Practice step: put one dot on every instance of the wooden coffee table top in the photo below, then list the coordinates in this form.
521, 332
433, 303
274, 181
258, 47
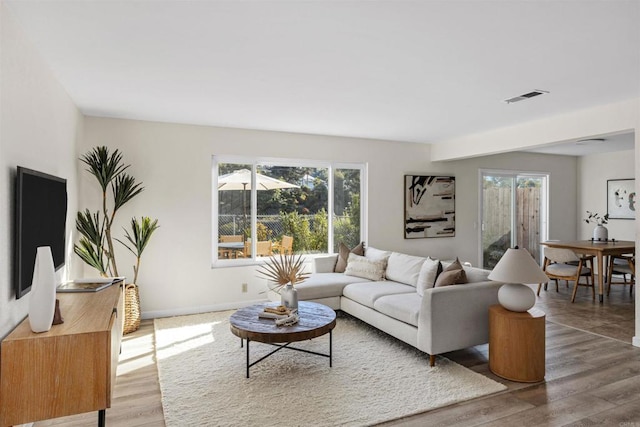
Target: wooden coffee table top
315, 320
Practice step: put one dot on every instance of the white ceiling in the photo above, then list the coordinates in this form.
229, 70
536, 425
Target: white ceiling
420, 71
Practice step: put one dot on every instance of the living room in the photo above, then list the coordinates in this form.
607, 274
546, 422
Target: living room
44, 128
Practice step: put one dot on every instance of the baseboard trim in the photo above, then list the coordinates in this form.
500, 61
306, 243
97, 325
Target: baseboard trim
636, 341
197, 310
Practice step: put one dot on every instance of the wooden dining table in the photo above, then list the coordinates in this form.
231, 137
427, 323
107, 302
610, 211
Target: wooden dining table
600, 249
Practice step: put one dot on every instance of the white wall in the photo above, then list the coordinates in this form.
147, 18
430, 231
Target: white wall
39, 128
593, 172
174, 162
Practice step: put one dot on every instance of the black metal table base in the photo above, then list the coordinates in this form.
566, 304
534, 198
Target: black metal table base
281, 346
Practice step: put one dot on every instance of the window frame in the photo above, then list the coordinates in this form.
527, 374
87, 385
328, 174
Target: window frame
254, 162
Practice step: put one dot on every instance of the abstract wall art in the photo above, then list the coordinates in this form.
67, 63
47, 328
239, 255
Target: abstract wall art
621, 198
429, 206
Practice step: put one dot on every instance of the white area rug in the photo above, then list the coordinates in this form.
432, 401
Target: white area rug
374, 377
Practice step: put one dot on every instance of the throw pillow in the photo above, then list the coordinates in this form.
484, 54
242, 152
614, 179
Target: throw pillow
452, 275
343, 256
360, 266
376, 254
428, 274
404, 268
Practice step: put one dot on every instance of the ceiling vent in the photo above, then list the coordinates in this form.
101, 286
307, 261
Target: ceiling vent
590, 141
529, 95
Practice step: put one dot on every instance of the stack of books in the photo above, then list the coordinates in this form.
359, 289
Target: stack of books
279, 312
88, 285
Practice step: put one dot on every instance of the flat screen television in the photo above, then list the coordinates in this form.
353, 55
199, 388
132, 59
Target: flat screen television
40, 219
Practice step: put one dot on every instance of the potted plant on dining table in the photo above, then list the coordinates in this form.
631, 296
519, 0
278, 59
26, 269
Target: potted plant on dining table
600, 232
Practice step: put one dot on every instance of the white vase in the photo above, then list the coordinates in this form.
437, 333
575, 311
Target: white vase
600, 233
42, 301
289, 296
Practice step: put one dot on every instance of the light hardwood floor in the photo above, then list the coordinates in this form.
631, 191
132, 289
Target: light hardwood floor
592, 374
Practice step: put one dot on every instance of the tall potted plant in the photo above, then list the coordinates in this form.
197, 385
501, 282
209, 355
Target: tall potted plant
95, 246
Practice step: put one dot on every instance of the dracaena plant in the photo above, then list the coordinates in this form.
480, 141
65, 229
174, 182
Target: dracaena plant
95, 246
141, 232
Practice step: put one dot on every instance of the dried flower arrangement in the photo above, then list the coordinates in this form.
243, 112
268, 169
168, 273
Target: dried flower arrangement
283, 269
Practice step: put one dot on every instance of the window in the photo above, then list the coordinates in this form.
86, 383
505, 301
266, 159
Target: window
262, 208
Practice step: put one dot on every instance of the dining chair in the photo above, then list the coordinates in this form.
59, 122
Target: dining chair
263, 248
621, 265
285, 246
559, 264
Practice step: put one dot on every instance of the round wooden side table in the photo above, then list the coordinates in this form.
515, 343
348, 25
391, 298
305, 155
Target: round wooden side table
517, 344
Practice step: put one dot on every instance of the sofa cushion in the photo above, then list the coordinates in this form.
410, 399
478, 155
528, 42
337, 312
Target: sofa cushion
343, 256
363, 267
476, 274
324, 263
367, 293
376, 254
429, 272
403, 307
452, 275
404, 268
324, 285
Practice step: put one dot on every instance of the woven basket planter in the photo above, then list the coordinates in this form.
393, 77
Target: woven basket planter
131, 308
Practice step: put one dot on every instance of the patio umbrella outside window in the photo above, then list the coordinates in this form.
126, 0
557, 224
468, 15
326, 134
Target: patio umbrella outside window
241, 180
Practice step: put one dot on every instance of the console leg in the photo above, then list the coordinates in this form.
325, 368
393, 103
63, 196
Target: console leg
101, 417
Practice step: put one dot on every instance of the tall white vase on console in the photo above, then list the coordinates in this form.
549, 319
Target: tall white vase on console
42, 300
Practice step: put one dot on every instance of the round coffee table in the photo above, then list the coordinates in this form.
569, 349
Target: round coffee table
315, 320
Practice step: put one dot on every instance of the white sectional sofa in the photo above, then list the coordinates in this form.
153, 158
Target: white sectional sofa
435, 320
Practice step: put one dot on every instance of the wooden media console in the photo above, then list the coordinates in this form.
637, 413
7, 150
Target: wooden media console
68, 370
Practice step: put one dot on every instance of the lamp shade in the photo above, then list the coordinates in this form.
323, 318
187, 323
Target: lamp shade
516, 267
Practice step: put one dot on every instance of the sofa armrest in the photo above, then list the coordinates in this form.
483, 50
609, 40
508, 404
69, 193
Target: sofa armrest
325, 264
456, 317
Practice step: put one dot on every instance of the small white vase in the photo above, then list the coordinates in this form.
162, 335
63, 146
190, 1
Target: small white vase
600, 233
42, 301
289, 296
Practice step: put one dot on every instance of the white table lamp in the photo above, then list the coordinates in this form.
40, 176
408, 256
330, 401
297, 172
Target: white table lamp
517, 267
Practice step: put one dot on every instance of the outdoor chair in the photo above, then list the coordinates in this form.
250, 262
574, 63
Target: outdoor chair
285, 246
263, 248
559, 264
621, 265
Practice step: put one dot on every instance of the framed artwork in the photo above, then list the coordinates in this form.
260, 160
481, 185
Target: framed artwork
621, 198
429, 206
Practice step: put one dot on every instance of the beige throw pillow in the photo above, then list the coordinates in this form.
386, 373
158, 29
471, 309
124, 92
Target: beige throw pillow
360, 266
343, 256
452, 275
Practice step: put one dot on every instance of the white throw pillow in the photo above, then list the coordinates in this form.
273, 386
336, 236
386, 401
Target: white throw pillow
376, 254
360, 266
428, 275
404, 268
